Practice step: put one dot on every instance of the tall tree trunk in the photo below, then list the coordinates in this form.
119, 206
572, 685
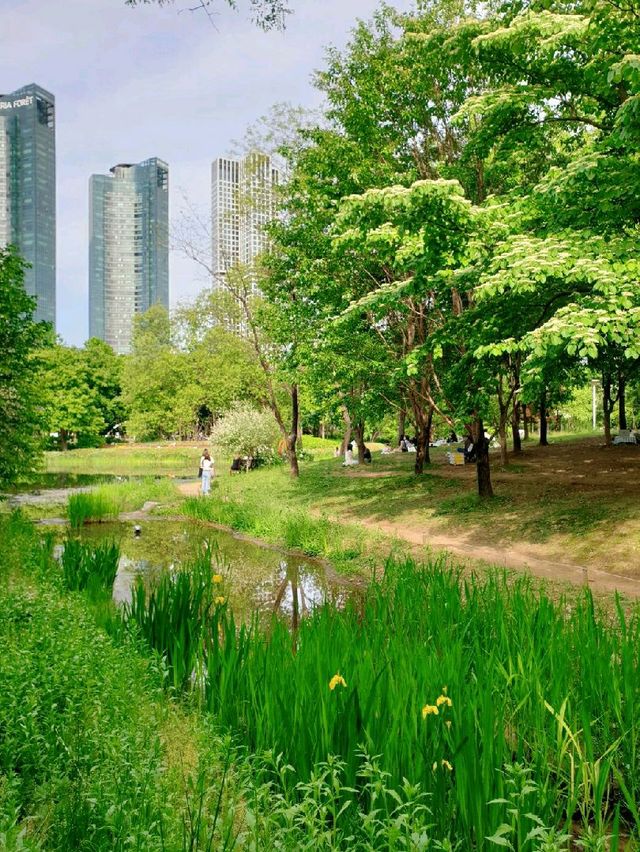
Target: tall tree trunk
607, 408
503, 414
64, 440
346, 437
322, 430
358, 429
292, 437
515, 427
622, 402
402, 417
502, 435
423, 429
525, 421
483, 467
543, 418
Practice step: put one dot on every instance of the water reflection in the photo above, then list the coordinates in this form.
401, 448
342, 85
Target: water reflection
253, 576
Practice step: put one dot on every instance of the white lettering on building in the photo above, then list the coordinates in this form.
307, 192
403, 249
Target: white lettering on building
19, 102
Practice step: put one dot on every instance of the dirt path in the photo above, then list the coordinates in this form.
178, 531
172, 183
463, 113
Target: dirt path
515, 558
189, 489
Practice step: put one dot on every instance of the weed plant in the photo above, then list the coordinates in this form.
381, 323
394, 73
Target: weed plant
85, 566
449, 681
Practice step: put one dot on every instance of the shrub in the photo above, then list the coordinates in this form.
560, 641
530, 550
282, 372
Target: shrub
247, 431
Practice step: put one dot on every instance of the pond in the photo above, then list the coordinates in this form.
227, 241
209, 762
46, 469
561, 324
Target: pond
50, 488
255, 577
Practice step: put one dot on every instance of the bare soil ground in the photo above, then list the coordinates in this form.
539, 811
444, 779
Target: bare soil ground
570, 511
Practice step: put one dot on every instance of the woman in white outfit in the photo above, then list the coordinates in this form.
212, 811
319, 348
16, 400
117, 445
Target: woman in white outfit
206, 465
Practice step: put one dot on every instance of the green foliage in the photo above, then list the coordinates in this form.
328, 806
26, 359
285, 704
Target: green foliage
172, 616
246, 431
81, 763
518, 677
85, 566
90, 506
20, 336
179, 380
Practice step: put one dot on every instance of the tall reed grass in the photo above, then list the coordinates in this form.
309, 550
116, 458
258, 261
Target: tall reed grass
90, 506
290, 528
451, 682
173, 616
85, 566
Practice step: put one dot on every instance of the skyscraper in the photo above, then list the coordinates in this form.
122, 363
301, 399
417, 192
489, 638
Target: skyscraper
242, 203
128, 248
28, 189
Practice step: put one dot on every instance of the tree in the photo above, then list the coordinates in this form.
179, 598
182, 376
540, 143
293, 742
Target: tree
72, 405
153, 378
246, 431
267, 14
104, 377
20, 338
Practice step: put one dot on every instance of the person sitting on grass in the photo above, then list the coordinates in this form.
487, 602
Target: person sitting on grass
367, 455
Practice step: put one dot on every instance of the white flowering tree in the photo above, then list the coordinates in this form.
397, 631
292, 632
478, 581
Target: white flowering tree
246, 431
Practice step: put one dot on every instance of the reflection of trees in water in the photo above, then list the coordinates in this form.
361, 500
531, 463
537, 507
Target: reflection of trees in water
300, 590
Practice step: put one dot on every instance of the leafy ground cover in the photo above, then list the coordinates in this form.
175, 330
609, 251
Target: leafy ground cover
92, 754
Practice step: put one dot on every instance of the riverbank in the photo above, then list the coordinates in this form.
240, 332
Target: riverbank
572, 504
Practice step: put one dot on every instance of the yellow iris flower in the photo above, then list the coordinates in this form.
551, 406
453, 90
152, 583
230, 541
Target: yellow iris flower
336, 680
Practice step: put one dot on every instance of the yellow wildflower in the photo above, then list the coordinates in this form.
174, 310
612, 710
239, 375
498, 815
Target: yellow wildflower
435, 766
447, 765
219, 600
217, 578
428, 709
336, 680
444, 699
448, 723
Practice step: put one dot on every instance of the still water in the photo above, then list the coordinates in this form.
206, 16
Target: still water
253, 576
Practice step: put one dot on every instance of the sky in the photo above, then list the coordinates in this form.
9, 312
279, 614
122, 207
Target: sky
133, 83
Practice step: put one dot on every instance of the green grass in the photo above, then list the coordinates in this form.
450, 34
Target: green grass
531, 684
89, 744
84, 566
90, 506
346, 547
126, 460
172, 616
108, 501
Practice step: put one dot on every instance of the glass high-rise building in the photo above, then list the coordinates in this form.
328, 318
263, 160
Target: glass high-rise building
128, 248
242, 203
28, 189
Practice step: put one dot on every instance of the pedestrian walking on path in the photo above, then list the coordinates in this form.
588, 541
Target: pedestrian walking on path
206, 466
